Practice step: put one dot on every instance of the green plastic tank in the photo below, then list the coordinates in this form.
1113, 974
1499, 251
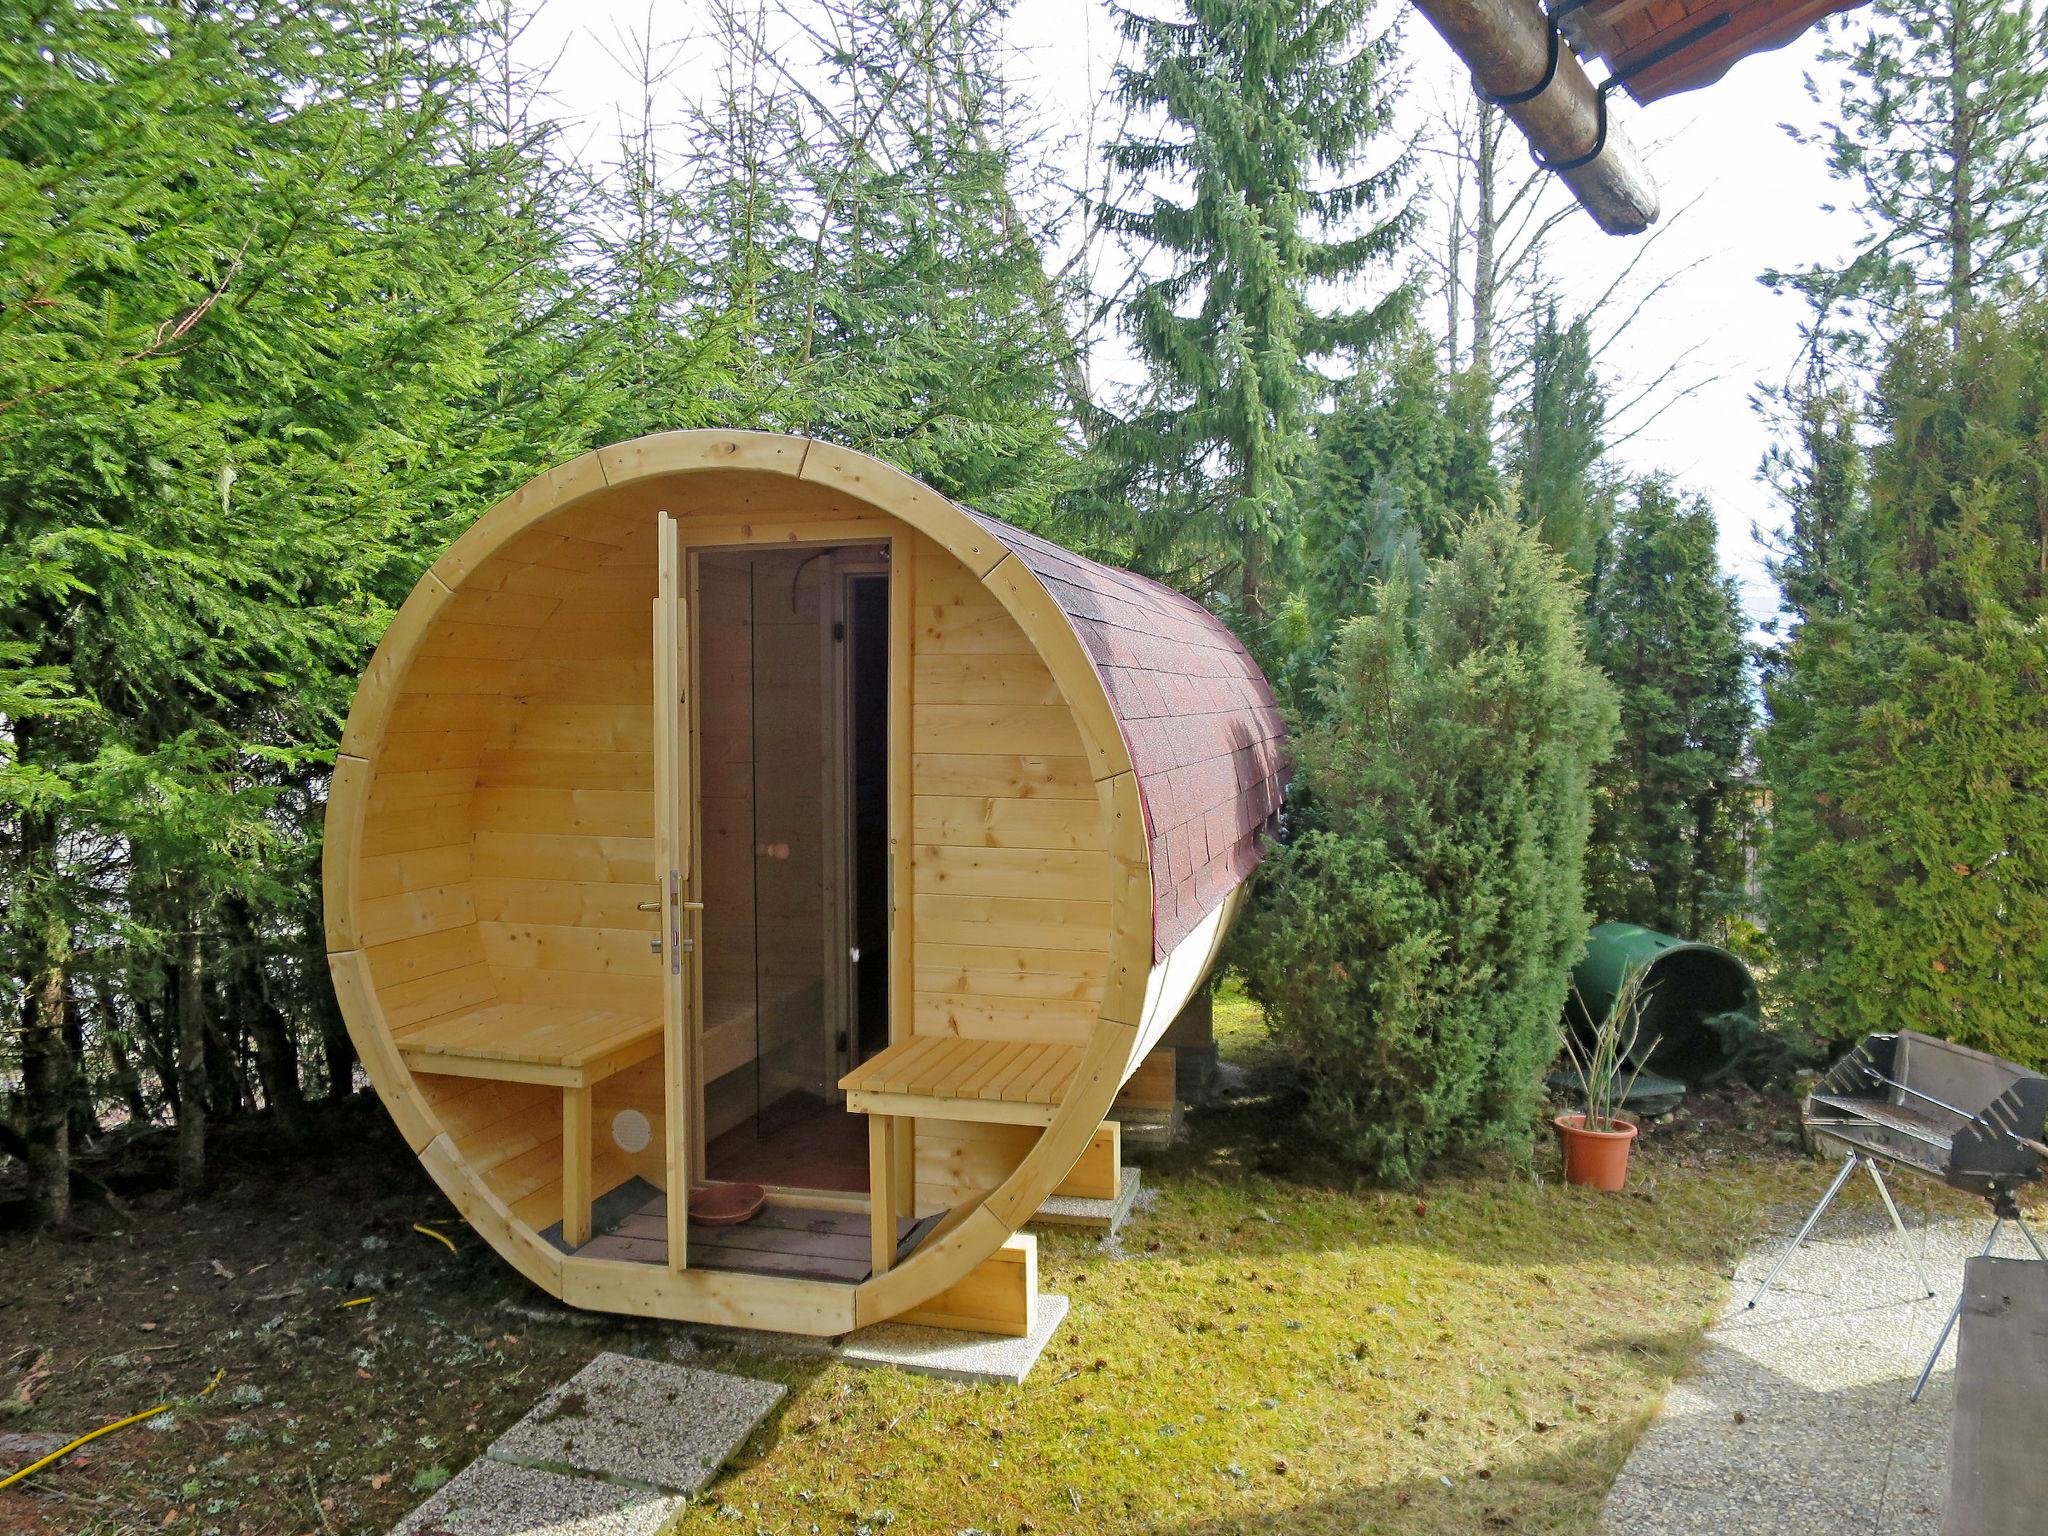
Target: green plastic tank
1702, 1006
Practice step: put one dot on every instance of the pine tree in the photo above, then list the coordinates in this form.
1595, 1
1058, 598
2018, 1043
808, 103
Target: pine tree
1411, 943
1263, 103
1941, 134
1671, 805
1906, 870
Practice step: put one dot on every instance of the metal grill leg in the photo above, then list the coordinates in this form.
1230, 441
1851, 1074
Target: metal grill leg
1877, 1178
1819, 1211
1955, 1312
2032, 1241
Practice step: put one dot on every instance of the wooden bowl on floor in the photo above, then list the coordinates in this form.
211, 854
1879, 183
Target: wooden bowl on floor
726, 1205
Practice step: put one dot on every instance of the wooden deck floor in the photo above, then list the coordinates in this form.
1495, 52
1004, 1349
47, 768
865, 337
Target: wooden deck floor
781, 1240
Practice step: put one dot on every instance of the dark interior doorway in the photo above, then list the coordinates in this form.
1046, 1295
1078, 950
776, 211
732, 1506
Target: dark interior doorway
793, 719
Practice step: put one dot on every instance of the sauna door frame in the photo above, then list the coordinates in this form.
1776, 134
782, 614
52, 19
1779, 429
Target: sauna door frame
687, 1152
843, 1042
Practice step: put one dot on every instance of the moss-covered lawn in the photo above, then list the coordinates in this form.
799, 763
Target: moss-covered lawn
1272, 1351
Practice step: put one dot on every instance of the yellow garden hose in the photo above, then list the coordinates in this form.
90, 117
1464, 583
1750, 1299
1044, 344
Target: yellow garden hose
105, 1429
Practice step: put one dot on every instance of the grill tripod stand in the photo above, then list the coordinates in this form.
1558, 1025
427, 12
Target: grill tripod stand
2005, 1207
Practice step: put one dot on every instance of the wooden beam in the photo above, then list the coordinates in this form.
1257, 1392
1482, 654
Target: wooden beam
1000, 1295
1506, 45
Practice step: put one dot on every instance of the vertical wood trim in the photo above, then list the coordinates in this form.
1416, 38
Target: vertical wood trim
881, 1191
576, 1130
835, 765
902, 629
671, 805
693, 883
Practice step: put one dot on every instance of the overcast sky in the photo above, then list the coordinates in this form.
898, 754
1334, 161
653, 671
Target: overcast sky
1756, 201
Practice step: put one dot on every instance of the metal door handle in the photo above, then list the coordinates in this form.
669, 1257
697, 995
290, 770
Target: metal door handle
649, 906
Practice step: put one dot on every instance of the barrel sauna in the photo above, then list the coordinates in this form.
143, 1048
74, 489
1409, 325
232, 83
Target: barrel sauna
727, 810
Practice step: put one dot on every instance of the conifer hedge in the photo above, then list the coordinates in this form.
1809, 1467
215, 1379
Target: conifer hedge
1906, 872
1412, 940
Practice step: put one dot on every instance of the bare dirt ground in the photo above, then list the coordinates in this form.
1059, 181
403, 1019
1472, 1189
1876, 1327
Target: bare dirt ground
329, 1417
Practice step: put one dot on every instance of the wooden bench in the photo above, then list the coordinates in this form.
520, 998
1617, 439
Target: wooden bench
563, 1048
942, 1077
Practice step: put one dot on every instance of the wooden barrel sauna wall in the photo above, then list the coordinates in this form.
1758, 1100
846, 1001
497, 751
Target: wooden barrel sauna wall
528, 805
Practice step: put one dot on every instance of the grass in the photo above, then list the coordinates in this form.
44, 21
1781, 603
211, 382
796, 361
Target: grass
1267, 1348
1266, 1351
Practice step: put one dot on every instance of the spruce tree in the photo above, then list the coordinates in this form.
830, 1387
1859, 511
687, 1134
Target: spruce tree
1260, 189
276, 343
1671, 805
1906, 870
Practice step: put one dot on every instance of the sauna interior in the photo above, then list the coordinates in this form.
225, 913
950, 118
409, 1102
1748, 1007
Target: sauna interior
730, 810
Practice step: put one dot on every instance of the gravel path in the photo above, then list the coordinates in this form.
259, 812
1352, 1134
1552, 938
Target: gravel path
1796, 1417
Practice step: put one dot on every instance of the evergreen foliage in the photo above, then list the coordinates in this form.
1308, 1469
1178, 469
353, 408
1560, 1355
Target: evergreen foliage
1822, 559
1401, 460
1411, 943
1558, 436
1939, 132
1671, 806
1262, 190
1906, 871
269, 347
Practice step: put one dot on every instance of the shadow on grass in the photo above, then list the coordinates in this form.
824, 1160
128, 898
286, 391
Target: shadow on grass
1547, 1491
1681, 1206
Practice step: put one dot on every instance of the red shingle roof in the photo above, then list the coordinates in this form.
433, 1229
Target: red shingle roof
1662, 47
1198, 719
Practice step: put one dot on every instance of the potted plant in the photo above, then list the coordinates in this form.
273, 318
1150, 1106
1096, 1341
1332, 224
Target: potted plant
1596, 1138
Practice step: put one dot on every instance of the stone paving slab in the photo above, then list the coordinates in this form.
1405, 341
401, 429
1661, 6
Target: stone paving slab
640, 1423
1097, 1215
492, 1498
953, 1355
1796, 1417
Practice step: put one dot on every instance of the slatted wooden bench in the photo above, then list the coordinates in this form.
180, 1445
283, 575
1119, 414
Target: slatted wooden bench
565, 1048
942, 1077
1014, 1082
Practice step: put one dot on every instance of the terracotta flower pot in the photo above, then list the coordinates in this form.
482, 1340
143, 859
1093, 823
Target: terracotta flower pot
1596, 1159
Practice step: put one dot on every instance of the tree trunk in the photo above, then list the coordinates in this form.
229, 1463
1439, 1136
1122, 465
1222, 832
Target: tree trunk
43, 940
1962, 255
1486, 233
192, 1084
46, 1088
127, 1076
277, 1052
156, 1030
85, 1120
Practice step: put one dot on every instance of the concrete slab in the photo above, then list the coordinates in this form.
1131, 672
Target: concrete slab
491, 1498
640, 1423
1096, 1215
1796, 1416
952, 1355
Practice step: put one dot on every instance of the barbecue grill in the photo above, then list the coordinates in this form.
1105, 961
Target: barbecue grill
1942, 1111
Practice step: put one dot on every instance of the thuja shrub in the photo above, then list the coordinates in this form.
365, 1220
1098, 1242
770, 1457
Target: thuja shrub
1411, 942
1906, 871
